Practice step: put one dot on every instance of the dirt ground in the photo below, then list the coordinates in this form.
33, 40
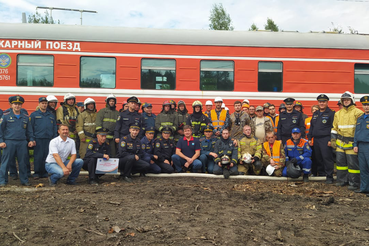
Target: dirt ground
183, 211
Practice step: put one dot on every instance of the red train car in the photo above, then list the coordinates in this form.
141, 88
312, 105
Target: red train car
158, 64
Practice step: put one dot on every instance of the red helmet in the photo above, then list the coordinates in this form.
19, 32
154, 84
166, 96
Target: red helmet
166, 102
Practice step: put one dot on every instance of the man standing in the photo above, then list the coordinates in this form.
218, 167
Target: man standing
86, 125
98, 148
148, 118
127, 118
57, 163
15, 129
298, 107
320, 130
298, 152
148, 146
209, 107
219, 117
274, 117
164, 149
107, 118
361, 146
131, 154
238, 120
197, 120
262, 124
207, 154
51, 105
252, 111
249, 145
44, 129
182, 114
273, 155
67, 114
343, 132
166, 118
226, 162
289, 120
187, 152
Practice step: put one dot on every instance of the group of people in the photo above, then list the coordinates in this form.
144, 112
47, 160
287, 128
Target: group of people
251, 140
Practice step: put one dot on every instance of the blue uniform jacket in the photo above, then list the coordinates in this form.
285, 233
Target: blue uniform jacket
125, 119
129, 146
148, 121
148, 147
299, 151
12, 128
207, 145
43, 124
362, 130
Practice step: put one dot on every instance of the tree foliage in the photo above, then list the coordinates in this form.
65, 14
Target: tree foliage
270, 25
253, 27
38, 18
219, 19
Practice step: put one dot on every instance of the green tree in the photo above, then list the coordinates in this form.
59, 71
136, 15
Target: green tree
253, 27
219, 19
270, 25
38, 18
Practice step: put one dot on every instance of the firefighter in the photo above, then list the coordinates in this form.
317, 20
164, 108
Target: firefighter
342, 140
167, 117
273, 155
209, 107
107, 118
67, 114
86, 125
225, 149
249, 145
197, 120
298, 107
182, 114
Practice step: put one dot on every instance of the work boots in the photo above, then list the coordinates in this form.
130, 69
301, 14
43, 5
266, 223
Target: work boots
306, 178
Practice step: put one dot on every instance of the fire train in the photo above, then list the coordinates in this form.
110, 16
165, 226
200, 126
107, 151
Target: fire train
159, 64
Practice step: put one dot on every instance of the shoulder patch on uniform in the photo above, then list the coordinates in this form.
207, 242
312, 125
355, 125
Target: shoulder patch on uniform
123, 144
143, 146
125, 137
90, 146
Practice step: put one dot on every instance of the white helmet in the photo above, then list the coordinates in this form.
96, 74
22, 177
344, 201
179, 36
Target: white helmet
246, 158
111, 96
51, 98
209, 103
88, 101
223, 105
349, 95
226, 108
218, 99
69, 96
225, 160
246, 101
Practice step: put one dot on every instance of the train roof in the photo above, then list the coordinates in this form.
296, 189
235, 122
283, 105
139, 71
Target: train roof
183, 37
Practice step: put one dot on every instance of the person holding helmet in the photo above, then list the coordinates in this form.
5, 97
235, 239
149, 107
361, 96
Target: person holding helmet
298, 107
209, 107
167, 117
273, 155
226, 160
249, 145
67, 114
182, 114
207, 154
342, 139
238, 120
298, 152
107, 118
219, 117
52, 101
197, 120
126, 118
86, 126
44, 129
289, 120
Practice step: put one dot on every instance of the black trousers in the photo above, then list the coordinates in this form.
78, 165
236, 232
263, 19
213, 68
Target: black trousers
165, 168
129, 164
323, 156
89, 164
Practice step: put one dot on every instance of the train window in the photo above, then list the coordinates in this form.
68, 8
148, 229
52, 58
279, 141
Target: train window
270, 76
97, 72
158, 74
217, 75
361, 78
35, 70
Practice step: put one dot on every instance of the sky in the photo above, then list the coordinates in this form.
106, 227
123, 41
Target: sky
289, 15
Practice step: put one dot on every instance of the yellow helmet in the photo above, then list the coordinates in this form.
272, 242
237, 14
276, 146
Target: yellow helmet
197, 103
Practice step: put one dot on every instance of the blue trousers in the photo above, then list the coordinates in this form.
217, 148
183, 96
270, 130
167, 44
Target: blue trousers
305, 165
14, 148
207, 162
41, 150
178, 163
57, 173
364, 166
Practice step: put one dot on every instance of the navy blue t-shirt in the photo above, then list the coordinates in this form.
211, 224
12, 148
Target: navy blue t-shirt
188, 148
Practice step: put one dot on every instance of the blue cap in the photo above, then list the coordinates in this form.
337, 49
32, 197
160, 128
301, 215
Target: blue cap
150, 129
296, 130
80, 104
146, 105
16, 99
42, 99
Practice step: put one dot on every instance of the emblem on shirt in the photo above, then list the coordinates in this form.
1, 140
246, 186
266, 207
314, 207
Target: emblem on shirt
324, 121
90, 146
143, 146
294, 121
367, 126
123, 144
157, 145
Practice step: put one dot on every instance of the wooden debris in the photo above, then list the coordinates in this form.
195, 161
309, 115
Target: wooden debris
15, 235
96, 232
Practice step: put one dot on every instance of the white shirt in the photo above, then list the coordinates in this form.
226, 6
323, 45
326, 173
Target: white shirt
61, 147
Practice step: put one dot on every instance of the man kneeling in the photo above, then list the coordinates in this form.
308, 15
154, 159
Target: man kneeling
249, 152
273, 155
57, 163
226, 150
96, 149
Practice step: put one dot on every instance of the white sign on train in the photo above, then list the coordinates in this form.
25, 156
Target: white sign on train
49, 45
